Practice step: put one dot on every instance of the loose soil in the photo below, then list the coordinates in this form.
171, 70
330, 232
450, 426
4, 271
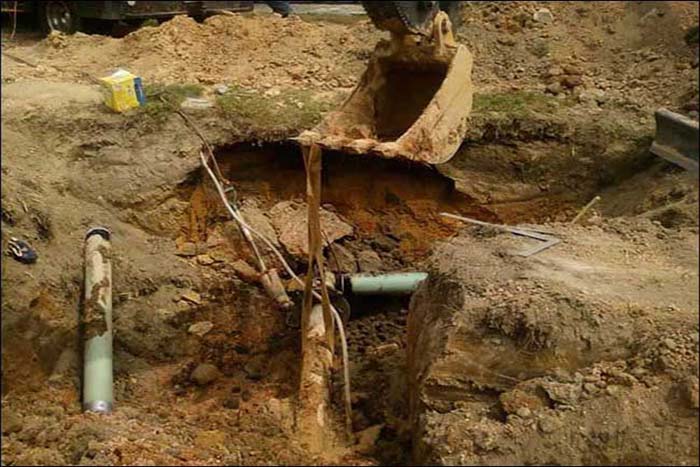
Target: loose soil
206, 366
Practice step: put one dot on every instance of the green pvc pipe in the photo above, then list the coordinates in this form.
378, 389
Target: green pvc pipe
404, 283
98, 395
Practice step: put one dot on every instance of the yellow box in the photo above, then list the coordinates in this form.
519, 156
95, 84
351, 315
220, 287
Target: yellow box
122, 91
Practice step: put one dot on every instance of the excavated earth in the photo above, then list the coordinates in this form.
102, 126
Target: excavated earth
585, 353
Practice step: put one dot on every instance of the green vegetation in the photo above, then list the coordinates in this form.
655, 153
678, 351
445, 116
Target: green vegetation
516, 102
294, 108
162, 100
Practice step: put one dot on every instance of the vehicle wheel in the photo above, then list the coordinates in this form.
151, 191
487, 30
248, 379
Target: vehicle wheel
56, 15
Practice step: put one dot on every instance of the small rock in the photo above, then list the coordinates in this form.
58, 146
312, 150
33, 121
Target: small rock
187, 249
590, 388
192, 297
384, 349
289, 219
571, 81
507, 40
205, 260
245, 272
670, 344
204, 374
369, 261
543, 15
554, 88
564, 394
11, 422
201, 328
549, 424
367, 438
523, 412
233, 402
221, 89
196, 103
341, 259
613, 389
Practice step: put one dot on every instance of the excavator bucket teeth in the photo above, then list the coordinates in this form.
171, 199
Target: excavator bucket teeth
676, 139
412, 102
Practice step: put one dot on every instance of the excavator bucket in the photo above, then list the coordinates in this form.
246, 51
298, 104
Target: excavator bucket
412, 102
676, 139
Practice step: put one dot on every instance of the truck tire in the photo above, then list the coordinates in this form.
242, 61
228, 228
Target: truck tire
58, 15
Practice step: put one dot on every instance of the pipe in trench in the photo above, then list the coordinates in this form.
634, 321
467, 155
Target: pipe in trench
98, 393
404, 283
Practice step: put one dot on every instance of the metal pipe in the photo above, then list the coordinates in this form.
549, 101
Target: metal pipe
404, 283
97, 317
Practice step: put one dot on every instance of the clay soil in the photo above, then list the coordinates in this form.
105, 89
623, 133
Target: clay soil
584, 353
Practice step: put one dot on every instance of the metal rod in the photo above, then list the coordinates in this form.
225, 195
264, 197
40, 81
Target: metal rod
584, 210
98, 393
385, 284
523, 233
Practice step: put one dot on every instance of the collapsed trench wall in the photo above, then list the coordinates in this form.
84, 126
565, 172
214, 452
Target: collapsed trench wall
511, 365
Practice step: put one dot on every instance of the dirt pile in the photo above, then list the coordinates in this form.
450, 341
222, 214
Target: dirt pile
603, 54
560, 357
250, 51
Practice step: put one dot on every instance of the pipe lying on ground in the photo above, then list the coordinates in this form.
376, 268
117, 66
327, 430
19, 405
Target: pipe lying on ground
97, 318
404, 283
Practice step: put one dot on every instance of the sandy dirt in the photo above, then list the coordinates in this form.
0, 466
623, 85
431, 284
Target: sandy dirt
206, 367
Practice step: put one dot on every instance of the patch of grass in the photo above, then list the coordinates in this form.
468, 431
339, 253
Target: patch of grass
516, 102
174, 94
294, 109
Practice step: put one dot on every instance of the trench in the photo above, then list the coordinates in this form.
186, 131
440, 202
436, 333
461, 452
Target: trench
393, 207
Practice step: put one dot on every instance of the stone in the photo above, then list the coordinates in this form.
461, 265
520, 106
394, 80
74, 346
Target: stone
245, 272
516, 399
507, 40
367, 438
543, 15
205, 260
523, 412
204, 374
571, 81
564, 394
289, 220
384, 349
187, 249
11, 422
192, 297
670, 344
196, 103
549, 424
257, 219
201, 328
221, 89
590, 388
369, 261
233, 401
554, 88
596, 96
346, 262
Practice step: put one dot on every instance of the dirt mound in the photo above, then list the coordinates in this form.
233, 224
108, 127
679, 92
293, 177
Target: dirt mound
542, 358
627, 53
251, 51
